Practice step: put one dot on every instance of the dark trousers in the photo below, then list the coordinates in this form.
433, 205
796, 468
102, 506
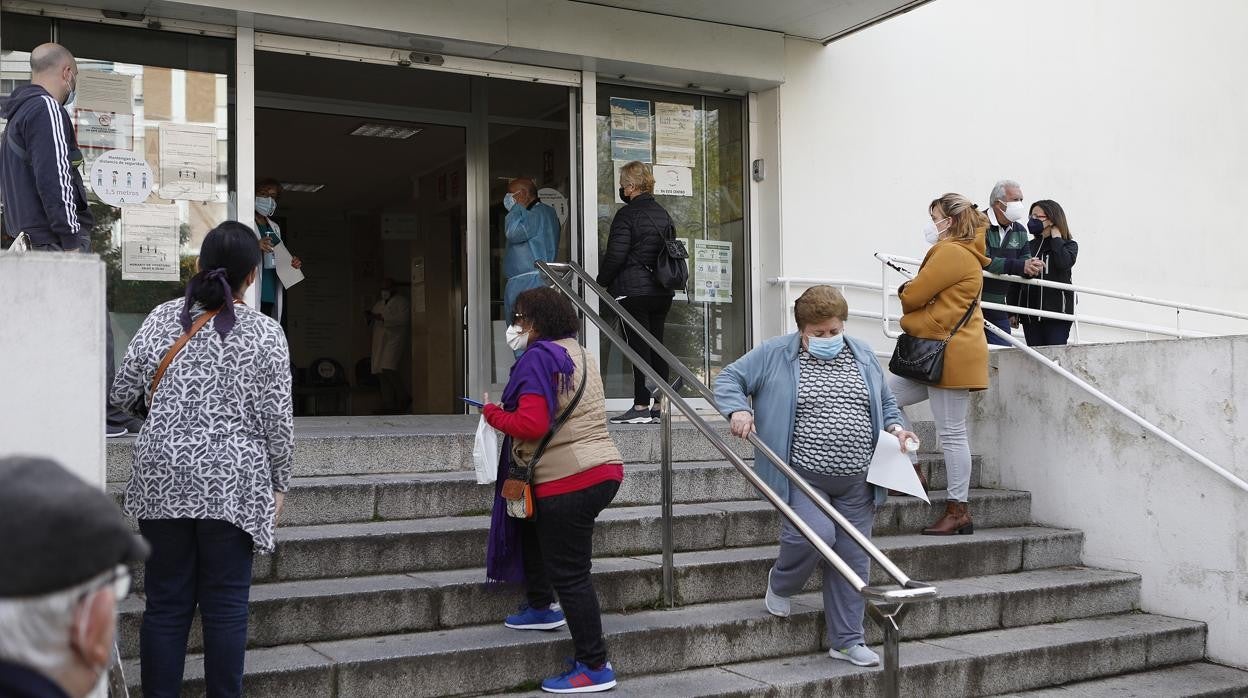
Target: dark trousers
194, 562
394, 396
651, 313
558, 546
1047, 333
1001, 319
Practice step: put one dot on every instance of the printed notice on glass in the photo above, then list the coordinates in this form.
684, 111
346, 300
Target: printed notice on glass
675, 132
712, 271
188, 162
149, 242
631, 137
102, 131
105, 92
672, 180
120, 177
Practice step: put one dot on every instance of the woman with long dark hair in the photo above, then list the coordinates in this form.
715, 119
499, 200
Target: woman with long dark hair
212, 462
1052, 244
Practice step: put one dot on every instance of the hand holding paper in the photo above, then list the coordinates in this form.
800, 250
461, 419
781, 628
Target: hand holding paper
891, 468
287, 273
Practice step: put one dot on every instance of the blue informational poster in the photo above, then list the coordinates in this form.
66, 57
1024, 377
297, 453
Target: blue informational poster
631, 135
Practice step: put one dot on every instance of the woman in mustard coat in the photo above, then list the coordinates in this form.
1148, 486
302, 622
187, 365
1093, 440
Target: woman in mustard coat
948, 284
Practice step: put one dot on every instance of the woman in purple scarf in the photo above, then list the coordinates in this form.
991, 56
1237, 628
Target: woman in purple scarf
574, 479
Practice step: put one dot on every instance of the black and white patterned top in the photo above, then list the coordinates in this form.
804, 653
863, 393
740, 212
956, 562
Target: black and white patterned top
832, 432
219, 438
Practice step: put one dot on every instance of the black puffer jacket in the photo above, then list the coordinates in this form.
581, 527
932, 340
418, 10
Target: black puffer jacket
633, 249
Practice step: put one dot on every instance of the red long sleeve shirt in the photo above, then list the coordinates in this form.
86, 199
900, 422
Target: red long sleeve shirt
530, 422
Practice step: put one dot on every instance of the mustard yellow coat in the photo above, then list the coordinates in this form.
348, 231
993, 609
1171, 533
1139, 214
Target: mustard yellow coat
933, 302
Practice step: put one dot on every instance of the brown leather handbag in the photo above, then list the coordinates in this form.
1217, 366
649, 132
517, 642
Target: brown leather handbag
517, 489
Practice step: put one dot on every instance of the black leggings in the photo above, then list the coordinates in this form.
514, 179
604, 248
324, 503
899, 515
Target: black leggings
651, 313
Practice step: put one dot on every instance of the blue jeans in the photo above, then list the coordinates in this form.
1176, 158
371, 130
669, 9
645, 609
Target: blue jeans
194, 562
1001, 319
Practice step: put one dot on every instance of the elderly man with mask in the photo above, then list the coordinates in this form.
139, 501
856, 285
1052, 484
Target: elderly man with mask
1005, 244
66, 550
532, 229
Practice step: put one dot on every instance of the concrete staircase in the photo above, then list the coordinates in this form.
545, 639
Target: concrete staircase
376, 588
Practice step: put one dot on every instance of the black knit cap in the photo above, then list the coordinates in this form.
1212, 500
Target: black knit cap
56, 531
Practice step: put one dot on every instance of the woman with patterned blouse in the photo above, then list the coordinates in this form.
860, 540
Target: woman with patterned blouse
211, 463
819, 400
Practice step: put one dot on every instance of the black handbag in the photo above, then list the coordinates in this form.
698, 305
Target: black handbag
671, 267
923, 360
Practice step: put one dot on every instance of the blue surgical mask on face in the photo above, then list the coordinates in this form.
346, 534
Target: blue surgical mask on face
266, 205
825, 348
509, 201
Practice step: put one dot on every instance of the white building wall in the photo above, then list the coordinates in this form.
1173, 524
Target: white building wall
1142, 504
52, 360
1129, 113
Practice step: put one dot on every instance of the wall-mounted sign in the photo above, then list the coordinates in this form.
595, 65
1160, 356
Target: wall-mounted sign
121, 177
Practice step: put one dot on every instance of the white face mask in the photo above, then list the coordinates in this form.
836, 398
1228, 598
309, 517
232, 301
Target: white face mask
385, 295
517, 338
1015, 211
930, 233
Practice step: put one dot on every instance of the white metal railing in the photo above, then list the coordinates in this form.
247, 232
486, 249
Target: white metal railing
898, 263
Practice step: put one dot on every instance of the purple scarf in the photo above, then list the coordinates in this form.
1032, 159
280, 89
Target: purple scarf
224, 321
543, 369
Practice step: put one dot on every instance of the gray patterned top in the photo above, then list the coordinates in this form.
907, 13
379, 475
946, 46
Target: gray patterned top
832, 432
219, 438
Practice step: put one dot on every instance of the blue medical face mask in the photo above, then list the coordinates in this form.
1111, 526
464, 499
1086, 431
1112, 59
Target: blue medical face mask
266, 205
825, 348
509, 201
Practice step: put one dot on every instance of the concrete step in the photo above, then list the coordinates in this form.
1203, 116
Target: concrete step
324, 609
977, 664
358, 498
420, 444
399, 547
758, 649
1183, 681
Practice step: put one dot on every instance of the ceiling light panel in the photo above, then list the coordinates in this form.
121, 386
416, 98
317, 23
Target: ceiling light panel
385, 131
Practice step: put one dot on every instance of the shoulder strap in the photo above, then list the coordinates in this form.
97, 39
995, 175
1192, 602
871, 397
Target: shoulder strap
177, 347
662, 231
965, 318
563, 418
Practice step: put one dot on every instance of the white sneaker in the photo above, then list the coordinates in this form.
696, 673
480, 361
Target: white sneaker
776, 604
858, 655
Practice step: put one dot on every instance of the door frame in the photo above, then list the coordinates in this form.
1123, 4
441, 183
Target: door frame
476, 122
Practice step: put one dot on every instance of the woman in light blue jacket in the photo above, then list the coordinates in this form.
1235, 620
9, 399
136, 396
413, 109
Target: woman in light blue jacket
819, 400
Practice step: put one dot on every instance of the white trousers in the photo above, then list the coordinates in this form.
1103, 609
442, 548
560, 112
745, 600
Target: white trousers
950, 407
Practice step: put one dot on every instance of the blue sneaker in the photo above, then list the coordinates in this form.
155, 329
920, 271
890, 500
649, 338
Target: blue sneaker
530, 618
581, 679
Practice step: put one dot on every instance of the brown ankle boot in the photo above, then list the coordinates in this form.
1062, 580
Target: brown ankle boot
918, 470
957, 519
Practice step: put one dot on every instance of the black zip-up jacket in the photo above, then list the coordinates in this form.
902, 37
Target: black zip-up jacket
633, 249
39, 179
1059, 257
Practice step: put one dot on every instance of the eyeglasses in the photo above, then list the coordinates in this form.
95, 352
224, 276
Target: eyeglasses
518, 316
119, 580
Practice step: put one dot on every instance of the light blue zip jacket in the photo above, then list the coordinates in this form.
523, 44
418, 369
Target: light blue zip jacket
764, 383
532, 235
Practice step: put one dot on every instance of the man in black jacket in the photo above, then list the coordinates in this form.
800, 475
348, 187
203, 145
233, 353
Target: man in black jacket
627, 271
39, 178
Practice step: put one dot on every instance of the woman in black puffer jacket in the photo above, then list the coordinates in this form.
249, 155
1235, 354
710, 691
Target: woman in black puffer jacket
1052, 244
627, 271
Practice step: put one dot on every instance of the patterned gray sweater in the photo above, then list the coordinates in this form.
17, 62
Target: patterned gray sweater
219, 437
832, 431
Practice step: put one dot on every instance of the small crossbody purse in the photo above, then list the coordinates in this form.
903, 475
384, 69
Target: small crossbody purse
517, 489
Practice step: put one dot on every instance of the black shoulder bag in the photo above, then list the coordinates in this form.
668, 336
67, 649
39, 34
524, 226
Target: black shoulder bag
518, 488
923, 360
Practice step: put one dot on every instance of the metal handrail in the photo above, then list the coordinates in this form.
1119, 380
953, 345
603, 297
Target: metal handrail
887, 605
1089, 388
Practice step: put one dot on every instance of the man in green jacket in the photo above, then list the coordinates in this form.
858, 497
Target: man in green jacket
1006, 245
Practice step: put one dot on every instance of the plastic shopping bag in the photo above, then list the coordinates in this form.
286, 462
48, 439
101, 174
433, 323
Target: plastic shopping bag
485, 453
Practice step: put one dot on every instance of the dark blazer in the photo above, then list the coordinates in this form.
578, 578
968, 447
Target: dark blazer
633, 249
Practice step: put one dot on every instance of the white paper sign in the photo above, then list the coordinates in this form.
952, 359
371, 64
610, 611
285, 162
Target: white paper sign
188, 162
712, 271
149, 242
892, 469
121, 177
105, 92
556, 200
288, 275
675, 134
670, 180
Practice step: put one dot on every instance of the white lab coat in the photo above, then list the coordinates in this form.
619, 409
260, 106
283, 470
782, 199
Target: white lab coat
390, 333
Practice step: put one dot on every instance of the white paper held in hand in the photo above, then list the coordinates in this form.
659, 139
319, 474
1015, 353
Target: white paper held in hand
288, 275
892, 469
485, 452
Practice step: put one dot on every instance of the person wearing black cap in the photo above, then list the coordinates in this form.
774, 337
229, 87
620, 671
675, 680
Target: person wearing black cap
65, 573
212, 465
